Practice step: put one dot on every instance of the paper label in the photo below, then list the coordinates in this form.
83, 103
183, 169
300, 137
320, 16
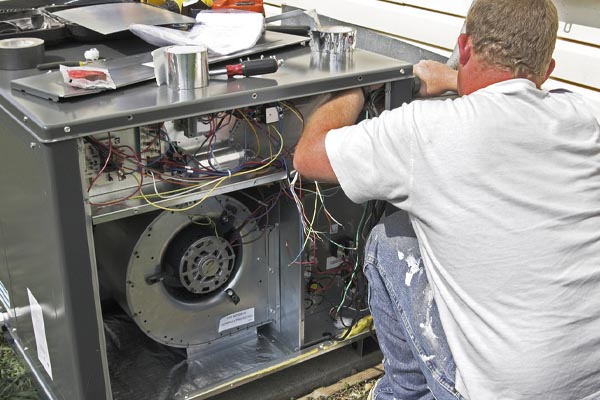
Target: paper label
4, 297
237, 319
37, 318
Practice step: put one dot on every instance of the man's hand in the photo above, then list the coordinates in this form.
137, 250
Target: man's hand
436, 78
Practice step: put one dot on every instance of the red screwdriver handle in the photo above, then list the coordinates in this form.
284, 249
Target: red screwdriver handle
253, 67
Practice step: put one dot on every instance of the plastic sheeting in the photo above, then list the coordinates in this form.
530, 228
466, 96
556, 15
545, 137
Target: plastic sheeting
221, 32
142, 369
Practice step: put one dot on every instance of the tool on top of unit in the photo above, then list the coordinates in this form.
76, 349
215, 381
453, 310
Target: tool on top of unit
249, 68
245, 5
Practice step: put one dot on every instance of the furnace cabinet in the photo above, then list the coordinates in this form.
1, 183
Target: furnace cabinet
152, 244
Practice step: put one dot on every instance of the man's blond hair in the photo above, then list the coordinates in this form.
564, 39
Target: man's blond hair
515, 35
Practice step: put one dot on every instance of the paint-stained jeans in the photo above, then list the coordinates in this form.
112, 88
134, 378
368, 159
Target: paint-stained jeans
417, 361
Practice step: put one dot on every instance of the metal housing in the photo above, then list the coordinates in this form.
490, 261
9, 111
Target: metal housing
74, 257
184, 304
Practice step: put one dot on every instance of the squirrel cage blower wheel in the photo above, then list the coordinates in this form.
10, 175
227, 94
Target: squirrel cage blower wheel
187, 278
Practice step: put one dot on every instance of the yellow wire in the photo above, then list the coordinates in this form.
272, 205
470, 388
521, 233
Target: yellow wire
210, 222
218, 183
323, 203
312, 221
293, 111
200, 185
273, 158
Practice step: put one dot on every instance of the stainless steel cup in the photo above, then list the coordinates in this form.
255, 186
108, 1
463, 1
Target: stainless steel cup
338, 40
187, 67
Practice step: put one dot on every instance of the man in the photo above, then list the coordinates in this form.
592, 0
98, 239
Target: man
502, 186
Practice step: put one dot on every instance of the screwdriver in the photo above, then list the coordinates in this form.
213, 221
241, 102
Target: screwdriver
249, 68
57, 64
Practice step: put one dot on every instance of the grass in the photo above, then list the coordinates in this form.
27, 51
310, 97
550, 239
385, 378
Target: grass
15, 381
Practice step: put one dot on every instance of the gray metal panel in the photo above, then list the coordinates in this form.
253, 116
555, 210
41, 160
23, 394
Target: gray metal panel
5, 291
146, 103
47, 252
290, 277
400, 93
116, 17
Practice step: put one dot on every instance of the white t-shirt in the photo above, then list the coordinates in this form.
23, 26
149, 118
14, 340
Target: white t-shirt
503, 189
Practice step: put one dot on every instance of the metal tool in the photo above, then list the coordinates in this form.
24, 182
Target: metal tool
314, 17
249, 68
245, 5
57, 64
299, 30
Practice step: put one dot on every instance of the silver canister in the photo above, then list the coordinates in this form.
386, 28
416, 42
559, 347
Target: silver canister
187, 67
338, 40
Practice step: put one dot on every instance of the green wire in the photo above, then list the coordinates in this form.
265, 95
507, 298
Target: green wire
356, 240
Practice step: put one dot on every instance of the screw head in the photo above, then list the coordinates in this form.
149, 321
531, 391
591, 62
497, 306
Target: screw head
67, 129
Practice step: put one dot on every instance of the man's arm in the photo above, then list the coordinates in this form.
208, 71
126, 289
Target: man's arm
310, 158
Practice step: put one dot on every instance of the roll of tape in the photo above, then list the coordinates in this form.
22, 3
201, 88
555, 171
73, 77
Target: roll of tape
187, 67
337, 40
21, 53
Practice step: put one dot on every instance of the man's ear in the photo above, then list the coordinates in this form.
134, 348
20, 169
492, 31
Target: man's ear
550, 69
464, 48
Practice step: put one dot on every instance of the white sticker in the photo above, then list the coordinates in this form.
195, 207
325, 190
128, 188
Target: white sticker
4, 297
333, 262
37, 318
234, 320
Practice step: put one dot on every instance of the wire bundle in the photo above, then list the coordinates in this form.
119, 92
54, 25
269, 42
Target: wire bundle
183, 170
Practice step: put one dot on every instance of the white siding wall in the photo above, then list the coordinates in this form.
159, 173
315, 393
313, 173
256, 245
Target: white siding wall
435, 25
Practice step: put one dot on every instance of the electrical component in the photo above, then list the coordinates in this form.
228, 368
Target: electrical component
271, 114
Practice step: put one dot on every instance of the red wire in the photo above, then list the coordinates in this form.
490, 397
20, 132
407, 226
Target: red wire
108, 157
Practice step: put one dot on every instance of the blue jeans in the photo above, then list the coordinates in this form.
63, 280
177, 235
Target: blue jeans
418, 363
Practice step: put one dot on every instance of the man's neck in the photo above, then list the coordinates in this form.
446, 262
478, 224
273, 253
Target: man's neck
475, 75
